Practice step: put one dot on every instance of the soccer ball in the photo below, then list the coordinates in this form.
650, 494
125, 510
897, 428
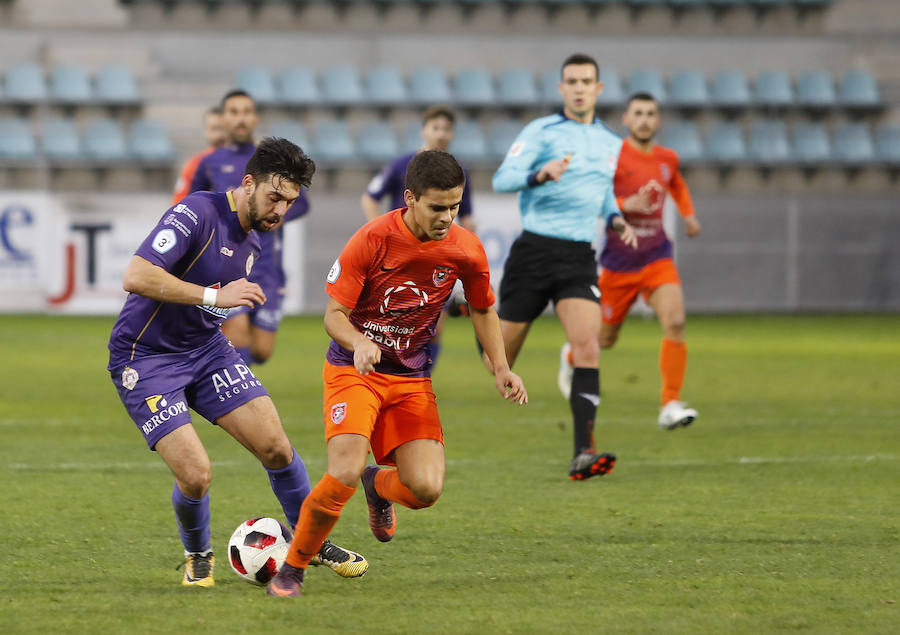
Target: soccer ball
257, 549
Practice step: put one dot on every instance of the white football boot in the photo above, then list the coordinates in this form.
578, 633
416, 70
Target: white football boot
566, 370
676, 414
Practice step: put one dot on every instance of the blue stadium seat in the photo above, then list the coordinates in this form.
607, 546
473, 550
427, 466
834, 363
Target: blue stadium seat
16, 140
25, 83
377, 141
858, 89
550, 87
853, 144
889, 144
61, 141
469, 143
116, 85
257, 81
333, 143
613, 93
299, 86
292, 131
517, 87
342, 86
815, 90
501, 135
104, 141
411, 137
730, 89
475, 87
429, 85
150, 143
687, 89
726, 143
769, 142
811, 144
647, 81
70, 85
385, 86
773, 90
684, 138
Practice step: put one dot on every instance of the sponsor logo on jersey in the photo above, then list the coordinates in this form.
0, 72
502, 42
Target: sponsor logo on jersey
404, 298
441, 275
164, 240
334, 273
233, 380
162, 415
666, 171
338, 413
227, 169
218, 311
129, 378
155, 402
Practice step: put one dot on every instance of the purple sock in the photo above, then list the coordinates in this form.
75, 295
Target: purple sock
434, 347
192, 515
291, 486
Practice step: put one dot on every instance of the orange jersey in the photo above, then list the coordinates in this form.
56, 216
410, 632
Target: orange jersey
635, 170
396, 286
183, 184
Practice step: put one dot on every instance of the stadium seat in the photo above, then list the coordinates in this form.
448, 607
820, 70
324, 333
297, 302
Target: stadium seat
61, 141
342, 86
469, 143
811, 144
815, 90
292, 131
103, 141
687, 89
429, 85
769, 142
888, 149
377, 141
16, 141
726, 143
25, 84
116, 85
647, 81
858, 89
150, 142
299, 86
333, 143
729, 89
773, 90
684, 138
853, 144
501, 135
475, 87
70, 85
517, 87
613, 93
385, 86
550, 87
258, 83
411, 136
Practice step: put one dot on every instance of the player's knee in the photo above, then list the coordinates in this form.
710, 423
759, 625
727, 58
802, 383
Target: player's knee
427, 490
585, 351
260, 354
673, 328
275, 452
608, 340
194, 481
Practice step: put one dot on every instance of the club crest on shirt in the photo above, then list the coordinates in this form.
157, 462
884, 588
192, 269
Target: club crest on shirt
249, 263
441, 275
338, 413
665, 171
516, 149
129, 378
226, 251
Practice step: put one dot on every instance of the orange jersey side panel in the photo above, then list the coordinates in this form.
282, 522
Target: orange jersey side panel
183, 184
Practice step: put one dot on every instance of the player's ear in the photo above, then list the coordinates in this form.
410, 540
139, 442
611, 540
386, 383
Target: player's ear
599, 87
409, 198
248, 183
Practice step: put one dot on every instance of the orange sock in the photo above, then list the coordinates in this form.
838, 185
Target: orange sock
388, 485
569, 358
319, 513
672, 364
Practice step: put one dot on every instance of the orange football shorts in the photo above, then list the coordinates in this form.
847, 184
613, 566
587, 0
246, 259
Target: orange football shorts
619, 289
389, 410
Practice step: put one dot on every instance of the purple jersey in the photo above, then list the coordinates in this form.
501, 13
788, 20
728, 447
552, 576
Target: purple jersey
199, 240
392, 181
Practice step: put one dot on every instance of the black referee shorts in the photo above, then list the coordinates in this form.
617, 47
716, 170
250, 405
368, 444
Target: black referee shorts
540, 269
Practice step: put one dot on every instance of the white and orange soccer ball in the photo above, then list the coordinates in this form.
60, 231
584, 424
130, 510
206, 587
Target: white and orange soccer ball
257, 549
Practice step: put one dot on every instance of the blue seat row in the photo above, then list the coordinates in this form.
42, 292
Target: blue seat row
69, 84
101, 140
636, 3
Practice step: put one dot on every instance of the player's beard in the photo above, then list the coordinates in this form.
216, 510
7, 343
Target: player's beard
256, 222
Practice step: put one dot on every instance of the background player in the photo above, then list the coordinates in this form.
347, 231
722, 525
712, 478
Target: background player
562, 167
252, 330
167, 353
645, 173
387, 288
214, 131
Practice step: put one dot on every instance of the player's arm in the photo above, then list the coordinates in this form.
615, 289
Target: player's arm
182, 187
487, 329
338, 325
152, 281
610, 212
201, 181
682, 197
521, 168
370, 207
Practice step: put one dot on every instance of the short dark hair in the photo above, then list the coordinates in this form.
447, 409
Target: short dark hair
640, 96
283, 158
237, 92
214, 110
580, 58
439, 111
433, 169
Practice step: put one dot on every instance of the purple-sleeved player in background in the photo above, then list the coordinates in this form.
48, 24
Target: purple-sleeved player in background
252, 330
168, 353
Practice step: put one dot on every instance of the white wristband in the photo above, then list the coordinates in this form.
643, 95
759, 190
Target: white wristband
209, 296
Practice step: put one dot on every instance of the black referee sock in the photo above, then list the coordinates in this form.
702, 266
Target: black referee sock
584, 399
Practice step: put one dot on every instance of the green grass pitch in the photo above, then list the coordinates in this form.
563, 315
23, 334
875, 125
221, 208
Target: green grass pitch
777, 511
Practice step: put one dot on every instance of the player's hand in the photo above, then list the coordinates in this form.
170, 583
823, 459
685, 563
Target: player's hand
511, 387
646, 200
553, 170
240, 292
692, 226
365, 355
625, 232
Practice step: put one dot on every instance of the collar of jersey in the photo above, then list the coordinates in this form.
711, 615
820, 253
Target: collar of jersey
407, 232
562, 113
231, 202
